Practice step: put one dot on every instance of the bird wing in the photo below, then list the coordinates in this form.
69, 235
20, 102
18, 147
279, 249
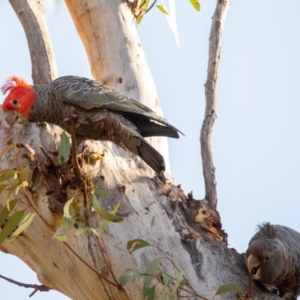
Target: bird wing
90, 94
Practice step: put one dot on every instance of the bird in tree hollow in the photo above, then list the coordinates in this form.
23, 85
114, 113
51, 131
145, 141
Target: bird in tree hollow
273, 258
100, 113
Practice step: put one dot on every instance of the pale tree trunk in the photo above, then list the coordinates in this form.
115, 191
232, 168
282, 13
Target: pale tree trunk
88, 267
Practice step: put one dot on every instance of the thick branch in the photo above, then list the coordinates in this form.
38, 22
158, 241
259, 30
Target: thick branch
211, 101
31, 15
108, 32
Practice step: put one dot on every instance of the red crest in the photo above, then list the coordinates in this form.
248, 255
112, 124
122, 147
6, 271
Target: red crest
12, 83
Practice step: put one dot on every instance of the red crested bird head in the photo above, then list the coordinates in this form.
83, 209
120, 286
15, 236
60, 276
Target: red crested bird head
18, 103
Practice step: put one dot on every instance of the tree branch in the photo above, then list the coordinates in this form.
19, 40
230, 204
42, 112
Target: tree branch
108, 32
211, 101
187, 230
36, 287
31, 16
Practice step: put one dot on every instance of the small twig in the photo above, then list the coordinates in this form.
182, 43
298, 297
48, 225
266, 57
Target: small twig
36, 287
47, 156
155, 245
73, 150
69, 247
150, 7
211, 101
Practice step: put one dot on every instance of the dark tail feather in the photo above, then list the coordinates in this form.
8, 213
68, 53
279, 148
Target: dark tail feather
151, 157
151, 128
139, 146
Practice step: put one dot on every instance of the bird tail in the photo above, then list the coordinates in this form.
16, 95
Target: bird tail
139, 146
151, 156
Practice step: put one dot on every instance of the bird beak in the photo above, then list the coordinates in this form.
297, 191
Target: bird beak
253, 267
13, 117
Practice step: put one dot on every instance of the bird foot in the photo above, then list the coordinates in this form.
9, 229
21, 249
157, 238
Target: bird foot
75, 120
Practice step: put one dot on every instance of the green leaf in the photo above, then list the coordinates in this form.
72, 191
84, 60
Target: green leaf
183, 282
69, 211
2, 187
64, 148
152, 268
179, 279
163, 296
142, 10
166, 279
152, 221
22, 184
196, 4
125, 278
149, 293
100, 193
80, 230
135, 244
113, 212
64, 228
102, 213
225, 288
175, 268
7, 209
154, 265
62, 238
11, 224
163, 8
144, 5
24, 173
7, 174
137, 273
139, 19
25, 223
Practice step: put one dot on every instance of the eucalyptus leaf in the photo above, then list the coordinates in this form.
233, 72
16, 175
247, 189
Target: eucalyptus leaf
11, 224
152, 221
136, 244
64, 228
64, 148
80, 230
225, 288
100, 193
25, 223
7, 209
2, 187
24, 173
154, 265
102, 213
196, 4
113, 212
7, 174
125, 278
162, 8
149, 293
69, 211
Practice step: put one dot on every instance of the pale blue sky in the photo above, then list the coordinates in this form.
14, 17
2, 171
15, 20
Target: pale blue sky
256, 135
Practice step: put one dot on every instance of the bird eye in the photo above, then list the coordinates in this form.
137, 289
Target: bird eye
15, 102
267, 257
